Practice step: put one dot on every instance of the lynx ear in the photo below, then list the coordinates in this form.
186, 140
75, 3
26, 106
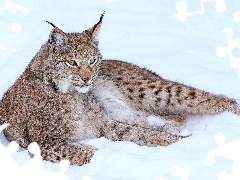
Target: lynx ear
93, 32
97, 26
57, 38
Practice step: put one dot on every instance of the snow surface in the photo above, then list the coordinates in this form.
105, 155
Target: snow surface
146, 33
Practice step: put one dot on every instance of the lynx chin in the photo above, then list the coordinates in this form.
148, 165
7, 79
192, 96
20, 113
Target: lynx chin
68, 94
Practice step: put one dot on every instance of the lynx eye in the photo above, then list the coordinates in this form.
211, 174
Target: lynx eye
92, 61
73, 63
70, 65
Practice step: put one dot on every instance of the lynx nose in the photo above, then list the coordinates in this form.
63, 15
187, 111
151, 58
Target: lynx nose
86, 79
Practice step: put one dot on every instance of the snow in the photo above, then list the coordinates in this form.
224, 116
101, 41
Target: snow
155, 121
149, 34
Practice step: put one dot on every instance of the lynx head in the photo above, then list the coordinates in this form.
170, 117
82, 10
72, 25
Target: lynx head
73, 59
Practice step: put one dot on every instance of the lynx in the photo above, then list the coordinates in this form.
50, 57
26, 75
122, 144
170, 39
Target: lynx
68, 94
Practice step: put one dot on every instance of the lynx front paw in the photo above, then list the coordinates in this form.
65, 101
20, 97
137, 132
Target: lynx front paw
171, 124
76, 153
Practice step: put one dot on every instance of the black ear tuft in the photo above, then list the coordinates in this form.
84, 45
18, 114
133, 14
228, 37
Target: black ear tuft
50, 23
101, 17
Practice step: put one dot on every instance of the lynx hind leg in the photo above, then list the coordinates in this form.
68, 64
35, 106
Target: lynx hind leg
152, 136
78, 154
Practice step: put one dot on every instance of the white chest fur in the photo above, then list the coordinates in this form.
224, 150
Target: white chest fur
113, 102
115, 108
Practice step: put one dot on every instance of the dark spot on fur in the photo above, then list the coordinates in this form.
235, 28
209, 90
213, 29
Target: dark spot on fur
141, 95
202, 102
169, 95
125, 83
168, 101
168, 89
156, 92
192, 94
130, 97
130, 90
120, 134
152, 86
63, 156
159, 99
101, 132
139, 83
178, 91
179, 101
119, 79
141, 90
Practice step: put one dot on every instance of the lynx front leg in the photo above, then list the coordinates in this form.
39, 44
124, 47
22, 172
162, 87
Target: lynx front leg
15, 133
76, 153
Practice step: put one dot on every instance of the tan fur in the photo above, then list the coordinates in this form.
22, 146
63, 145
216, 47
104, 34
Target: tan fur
147, 91
68, 94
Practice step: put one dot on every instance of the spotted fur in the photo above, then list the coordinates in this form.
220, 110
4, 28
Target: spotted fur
68, 94
143, 89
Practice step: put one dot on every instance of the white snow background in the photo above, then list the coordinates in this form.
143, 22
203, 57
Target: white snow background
149, 34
